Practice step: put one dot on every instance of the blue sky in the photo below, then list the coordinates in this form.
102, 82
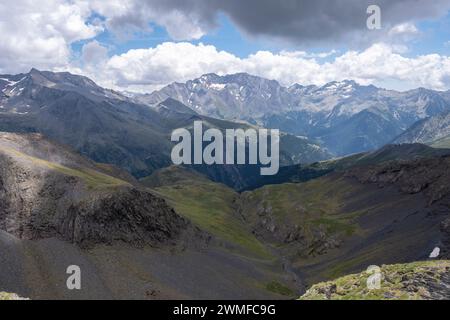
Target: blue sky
433, 37
226, 37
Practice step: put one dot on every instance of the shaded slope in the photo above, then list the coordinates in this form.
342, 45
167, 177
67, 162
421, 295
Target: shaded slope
393, 212
108, 130
37, 270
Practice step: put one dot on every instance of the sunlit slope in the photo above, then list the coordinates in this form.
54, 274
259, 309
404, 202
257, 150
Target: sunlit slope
413, 281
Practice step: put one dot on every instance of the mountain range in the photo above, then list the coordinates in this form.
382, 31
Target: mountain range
133, 132
344, 117
111, 128
86, 179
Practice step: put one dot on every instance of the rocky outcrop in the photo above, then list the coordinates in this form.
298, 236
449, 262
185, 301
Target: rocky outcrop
419, 280
60, 194
130, 215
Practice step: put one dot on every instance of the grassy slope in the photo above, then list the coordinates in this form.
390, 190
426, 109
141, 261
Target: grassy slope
317, 206
209, 205
212, 207
92, 178
398, 282
308, 205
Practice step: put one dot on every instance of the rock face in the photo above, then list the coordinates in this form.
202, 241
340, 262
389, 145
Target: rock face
129, 215
419, 280
47, 191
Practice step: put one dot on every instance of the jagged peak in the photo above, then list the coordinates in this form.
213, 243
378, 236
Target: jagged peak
34, 71
340, 84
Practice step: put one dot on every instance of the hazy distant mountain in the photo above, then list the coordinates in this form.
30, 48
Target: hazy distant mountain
427, 130
240, 96
345, 116
112, 128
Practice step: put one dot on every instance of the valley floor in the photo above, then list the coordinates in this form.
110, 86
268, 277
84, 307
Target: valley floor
37, 269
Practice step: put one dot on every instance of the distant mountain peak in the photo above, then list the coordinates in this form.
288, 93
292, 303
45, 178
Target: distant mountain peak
241, 78
34, 71
339, 85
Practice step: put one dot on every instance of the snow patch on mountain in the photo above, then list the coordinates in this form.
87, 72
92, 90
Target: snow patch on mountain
347, 116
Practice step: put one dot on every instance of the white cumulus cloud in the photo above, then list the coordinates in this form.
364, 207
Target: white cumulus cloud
380, 64
39, 33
